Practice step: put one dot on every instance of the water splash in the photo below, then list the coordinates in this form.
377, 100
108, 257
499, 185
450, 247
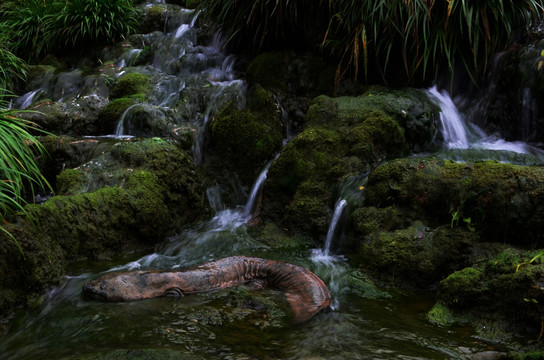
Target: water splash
27, 99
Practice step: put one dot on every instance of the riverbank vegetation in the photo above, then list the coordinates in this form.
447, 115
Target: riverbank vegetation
20, 173
415, 40
43, 26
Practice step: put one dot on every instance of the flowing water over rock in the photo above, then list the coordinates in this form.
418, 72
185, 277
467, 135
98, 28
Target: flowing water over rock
460, 135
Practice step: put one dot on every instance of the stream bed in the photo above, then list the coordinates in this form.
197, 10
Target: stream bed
218, 325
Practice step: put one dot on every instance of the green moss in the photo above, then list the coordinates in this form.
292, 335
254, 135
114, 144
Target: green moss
462, 288
441, 315
309, 212
151, 215
71, 181
131, 84
25, 276
535, 355
269, 70
380, 132
246, 139
413, 256
324, 110
364, 287
261, 100
499, 293
368, 220
500, 200
278, 239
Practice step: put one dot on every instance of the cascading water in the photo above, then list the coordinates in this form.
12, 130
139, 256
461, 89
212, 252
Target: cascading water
336, 217
256, 189
332, 268
459, 134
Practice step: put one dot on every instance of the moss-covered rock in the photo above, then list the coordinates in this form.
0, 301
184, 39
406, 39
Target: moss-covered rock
501, 202
131, 84
414, 256
27, 265
246, 139
124, 199
110, 115
411, 108
508, 287
278, 239
269, 70
341, 137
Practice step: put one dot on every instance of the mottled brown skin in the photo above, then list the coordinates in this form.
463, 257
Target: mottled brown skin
305, 292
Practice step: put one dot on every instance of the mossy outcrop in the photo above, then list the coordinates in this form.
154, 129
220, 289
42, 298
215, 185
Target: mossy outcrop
128, 198
245, 140
111, 113
341, 137
415, 256
506, 291
131, 84
500, 202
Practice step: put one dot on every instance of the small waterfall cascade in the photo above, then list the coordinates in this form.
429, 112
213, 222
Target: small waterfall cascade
184, 67
256, 190
225, 233
460, 134
189, 81
332, 268
338, 212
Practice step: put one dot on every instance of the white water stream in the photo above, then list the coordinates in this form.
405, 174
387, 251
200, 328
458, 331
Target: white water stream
460, 134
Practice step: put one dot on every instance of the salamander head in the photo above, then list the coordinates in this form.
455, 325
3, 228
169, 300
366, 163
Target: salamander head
130, 286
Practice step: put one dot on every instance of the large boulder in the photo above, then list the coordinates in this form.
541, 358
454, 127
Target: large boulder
245, 139
342, 137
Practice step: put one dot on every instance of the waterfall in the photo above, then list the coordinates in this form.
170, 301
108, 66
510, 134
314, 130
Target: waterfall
256, 188
460, 134
27, 99
330, 268
338, 211
323, 255
453, 127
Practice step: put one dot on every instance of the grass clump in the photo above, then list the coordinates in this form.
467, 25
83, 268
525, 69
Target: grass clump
20, 174
43, 26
